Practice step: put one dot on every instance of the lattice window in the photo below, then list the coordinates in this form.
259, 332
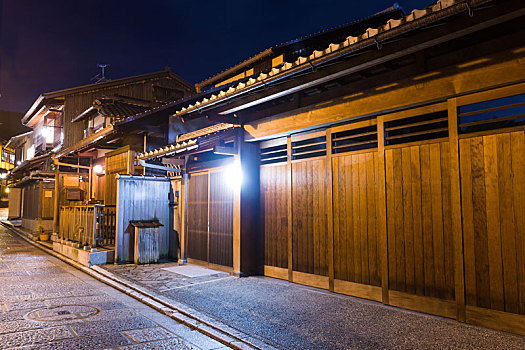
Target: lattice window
355, 139
274, 154
309, 148
494, 114
419, 128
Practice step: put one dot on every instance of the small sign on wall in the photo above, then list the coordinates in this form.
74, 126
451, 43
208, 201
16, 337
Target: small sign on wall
48, 194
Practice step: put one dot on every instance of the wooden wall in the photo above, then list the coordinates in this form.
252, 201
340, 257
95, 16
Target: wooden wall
31, 201
210, 218
78, 103
421, 208
141, 199
274, 211
356, 249
117, 162
420, 242
493, 188
221, 220
309, 214
197, 224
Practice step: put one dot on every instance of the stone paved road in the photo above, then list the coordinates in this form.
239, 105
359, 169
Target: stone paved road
292, 316
46, 304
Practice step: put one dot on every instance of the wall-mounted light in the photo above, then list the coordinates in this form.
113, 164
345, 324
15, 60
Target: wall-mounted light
233, 174
47, 134
98, 169
3, 175
30, 153
7, 190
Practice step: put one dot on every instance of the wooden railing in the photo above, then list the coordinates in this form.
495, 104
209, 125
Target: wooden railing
89, 225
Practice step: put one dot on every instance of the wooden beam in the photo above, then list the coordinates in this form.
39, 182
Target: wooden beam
173, 161
453, 30
229, 118
406, 95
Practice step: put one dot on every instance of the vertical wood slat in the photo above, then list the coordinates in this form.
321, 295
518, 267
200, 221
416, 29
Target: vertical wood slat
220, 235
289, 208
274, 211
492, 195
355, 227
493, 220
382, 210
309, 219
456, 208
518, 190
418, 217
198, 217
329, 251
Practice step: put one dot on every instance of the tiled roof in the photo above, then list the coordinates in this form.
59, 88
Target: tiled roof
371, 33
118, 108
186, 141
111, 107
308, 43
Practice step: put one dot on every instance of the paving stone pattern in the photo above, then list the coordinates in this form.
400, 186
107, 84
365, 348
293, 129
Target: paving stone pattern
291, 316
155, 278
46, 304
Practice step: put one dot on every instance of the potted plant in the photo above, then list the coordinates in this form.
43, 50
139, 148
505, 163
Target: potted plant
44, 236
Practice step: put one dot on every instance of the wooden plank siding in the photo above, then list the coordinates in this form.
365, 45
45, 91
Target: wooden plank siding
434, 224
78, 103
274, 204
220, 220
492, 190
419, 220
356, 250
309, 213
210, 218
197, 224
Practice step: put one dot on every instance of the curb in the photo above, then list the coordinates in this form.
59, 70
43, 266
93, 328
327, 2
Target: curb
176, 311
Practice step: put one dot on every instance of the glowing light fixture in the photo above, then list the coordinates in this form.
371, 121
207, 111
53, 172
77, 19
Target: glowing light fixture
3, 175
233, 174
7, 190
30, 153
47, 134
98, 169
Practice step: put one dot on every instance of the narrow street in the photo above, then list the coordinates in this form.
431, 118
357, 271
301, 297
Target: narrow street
47, 304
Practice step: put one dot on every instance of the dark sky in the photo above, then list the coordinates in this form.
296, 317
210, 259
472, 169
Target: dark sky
47, 45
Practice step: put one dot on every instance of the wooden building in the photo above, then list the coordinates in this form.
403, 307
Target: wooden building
76, 134
384, 164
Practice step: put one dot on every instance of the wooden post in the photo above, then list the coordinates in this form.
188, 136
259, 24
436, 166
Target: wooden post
381, 208
457, 230
330, 209
136, 246
290, 212
56, 210
40, 198
183, 227
236, 225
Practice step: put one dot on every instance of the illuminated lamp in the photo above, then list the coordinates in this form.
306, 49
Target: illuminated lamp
233, 174
98, 169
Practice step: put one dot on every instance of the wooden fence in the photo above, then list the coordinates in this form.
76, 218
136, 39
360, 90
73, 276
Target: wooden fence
89, 225
142, 198
422, 209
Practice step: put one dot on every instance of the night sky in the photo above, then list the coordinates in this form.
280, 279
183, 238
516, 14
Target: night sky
55, 44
